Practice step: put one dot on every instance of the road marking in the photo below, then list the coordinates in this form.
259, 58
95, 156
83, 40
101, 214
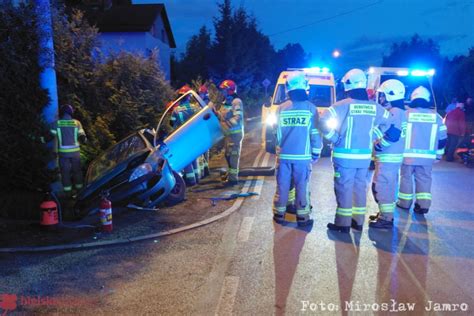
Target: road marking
228, 294
245, 229
224, 255
260, 179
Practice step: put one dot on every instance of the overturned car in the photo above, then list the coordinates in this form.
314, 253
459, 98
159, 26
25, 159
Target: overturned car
144, 168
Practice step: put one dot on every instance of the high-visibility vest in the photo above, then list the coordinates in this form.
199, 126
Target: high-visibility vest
392, 152
425, 128
350, 124
297, 135
68, 132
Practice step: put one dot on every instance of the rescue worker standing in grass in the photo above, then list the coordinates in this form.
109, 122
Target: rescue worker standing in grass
70, 134
232, 120
424, 144
298, 144
181, 113
388, 155
349, 125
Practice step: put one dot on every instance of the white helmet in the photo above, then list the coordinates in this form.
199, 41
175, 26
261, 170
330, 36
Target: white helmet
393, 90
296, 80
420, 93
354, 79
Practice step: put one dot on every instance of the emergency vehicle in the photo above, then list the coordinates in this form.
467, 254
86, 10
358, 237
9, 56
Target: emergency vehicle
321, 92
411, 78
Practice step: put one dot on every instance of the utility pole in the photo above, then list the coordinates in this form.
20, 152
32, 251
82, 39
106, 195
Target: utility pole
48, 73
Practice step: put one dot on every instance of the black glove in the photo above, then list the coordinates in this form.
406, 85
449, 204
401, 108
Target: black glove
314, 157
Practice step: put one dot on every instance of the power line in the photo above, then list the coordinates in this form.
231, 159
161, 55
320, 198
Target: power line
327, 19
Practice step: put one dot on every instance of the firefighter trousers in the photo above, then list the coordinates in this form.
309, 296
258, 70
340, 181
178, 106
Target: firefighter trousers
350, 186
422, 176
385, 188
288, 174
233, 146
189, 175
71, 171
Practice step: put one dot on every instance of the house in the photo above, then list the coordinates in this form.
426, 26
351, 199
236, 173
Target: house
139, 28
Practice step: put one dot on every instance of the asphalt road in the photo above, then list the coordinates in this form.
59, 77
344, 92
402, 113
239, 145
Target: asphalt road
247, 265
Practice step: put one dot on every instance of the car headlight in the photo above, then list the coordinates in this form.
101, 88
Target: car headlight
331, 123
140, 171
271, 119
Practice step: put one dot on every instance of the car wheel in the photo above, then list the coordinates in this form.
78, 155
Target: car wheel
178, 193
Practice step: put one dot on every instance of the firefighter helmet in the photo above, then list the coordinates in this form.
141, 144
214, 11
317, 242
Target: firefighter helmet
420, 93
67, 109
184, 89
296, 80
229, 86
203, 89
393, 90
354, 79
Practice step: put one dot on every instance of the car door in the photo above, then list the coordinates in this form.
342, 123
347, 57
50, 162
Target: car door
182, 145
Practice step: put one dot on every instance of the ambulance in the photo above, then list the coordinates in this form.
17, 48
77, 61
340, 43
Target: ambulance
321, 92
412, 78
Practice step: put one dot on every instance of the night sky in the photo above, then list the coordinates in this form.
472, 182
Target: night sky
361, 29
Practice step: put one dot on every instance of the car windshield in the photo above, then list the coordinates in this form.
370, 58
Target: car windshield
115, 155
318, 95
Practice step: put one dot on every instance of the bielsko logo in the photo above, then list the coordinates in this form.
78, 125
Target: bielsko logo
8, 303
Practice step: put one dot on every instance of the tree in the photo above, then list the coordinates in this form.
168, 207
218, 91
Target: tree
292, 55
416, 52
24, 156
195, 61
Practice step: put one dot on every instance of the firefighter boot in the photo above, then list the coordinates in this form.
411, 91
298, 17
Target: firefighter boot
279, 218
374, 217
341, 229
419, 210
356, 226
380, 223
304, 220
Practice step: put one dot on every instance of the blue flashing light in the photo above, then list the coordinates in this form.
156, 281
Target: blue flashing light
323, 70
420, 73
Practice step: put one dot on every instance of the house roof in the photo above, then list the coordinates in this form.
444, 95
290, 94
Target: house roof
131, 18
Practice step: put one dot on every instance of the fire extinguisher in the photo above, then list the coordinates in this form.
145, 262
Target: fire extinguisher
49, 213
105, 212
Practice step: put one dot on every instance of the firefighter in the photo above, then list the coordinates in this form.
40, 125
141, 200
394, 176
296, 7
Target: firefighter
204, 93
179, 116
425, 141
298, 144
349, 124
232, 121
204, 159
388, 155
70, 134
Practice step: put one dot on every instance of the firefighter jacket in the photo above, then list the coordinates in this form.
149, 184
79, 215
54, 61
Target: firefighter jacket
349, 124
182, 113
298, 139
425, 137
231, 116
392, 152
68, 131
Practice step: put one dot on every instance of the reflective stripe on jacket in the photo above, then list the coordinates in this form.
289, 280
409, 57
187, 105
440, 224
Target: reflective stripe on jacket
297, 135
425, 128
182, 113
68, 132
392, 152
349, 124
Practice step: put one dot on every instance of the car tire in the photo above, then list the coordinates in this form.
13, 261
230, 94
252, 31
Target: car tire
178, 193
